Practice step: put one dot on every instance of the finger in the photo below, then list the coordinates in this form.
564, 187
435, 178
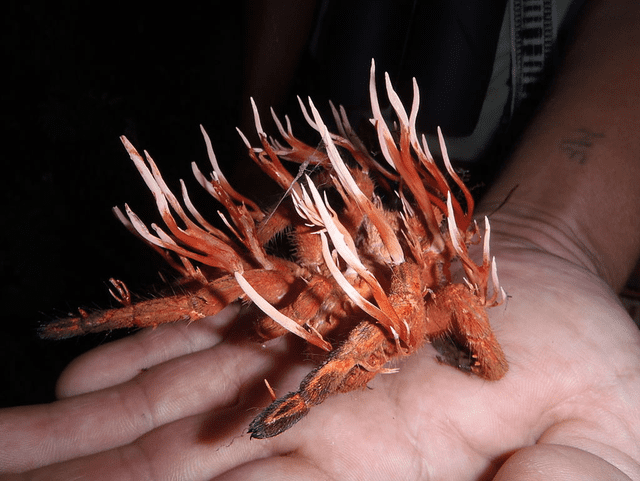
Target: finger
39, 435
277, 469
122, 360
199, 447
555, 462
176, 451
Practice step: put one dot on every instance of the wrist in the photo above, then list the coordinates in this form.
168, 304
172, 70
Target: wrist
521, 226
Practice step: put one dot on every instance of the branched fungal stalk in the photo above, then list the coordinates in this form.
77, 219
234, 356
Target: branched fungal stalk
382, 275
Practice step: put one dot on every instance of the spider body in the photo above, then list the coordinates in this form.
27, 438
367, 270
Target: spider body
382, 275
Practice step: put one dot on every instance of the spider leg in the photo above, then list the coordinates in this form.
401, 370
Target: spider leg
471, 322
349, 367
318, 305
205, 301
358, 360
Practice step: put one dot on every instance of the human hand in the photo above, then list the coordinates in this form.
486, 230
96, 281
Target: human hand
175, 402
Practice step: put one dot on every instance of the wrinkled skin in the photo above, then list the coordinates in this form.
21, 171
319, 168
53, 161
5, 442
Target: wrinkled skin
567, 405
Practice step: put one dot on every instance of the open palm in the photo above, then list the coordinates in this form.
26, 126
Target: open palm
175, 402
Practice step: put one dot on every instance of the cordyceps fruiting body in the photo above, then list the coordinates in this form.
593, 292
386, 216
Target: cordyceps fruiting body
381, 274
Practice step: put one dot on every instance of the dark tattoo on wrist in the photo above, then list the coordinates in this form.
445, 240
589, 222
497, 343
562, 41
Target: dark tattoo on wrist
576, 147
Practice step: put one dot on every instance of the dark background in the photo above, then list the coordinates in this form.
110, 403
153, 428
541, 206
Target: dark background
76, 76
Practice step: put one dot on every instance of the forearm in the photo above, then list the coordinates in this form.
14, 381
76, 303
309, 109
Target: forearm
577, 169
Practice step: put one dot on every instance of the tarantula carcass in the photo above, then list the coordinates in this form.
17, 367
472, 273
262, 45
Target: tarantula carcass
381, 274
